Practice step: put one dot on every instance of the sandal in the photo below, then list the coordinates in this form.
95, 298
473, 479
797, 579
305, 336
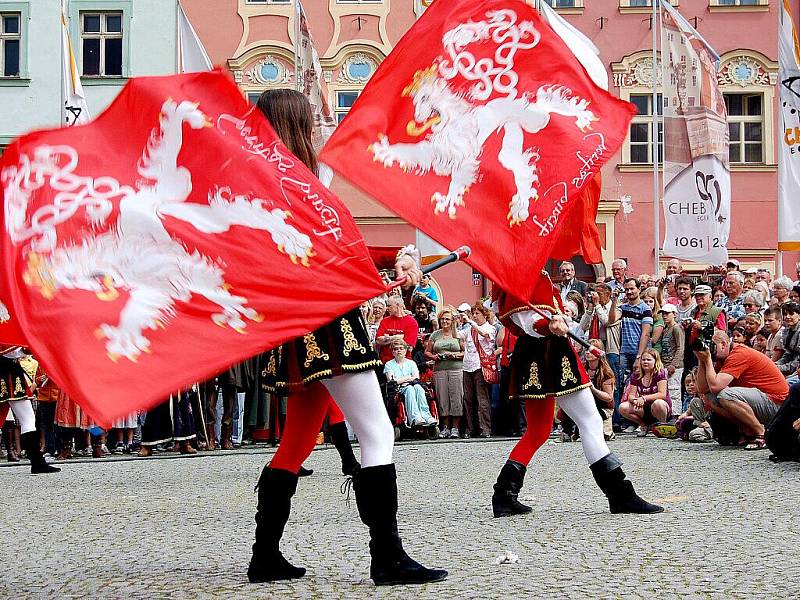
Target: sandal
757, 443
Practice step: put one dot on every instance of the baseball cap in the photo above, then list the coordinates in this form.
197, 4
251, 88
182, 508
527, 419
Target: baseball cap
702, 289
751, 271
464, 307
671, 308
733, 262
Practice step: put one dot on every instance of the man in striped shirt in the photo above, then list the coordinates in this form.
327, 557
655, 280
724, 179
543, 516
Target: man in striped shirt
637, 323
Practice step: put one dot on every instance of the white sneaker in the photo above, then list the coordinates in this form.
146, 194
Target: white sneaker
454, 433
433, 421
630, 429
445, 433
642, 431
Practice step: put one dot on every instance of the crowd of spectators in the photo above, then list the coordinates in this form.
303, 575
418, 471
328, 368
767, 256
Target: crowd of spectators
708, 357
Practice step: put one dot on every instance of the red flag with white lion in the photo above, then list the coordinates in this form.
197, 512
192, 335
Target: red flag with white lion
481, 128
170, 238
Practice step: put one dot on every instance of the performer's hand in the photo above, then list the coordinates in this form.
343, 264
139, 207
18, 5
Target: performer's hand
558, 326
796, 425
406, 267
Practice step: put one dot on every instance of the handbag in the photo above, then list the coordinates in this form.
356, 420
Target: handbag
488, 363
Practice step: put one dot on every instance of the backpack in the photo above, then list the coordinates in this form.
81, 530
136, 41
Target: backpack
781, 437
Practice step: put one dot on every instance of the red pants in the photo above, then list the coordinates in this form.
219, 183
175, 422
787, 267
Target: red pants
305, 413
539, 414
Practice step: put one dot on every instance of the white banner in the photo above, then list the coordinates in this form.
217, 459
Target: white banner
192, 55
697, 177
789, 158
75, 111
314, 85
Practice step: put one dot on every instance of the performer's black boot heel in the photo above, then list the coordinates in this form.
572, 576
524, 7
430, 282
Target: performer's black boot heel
506, 491
350, 465
275, 490
30, 443
376, 497
622, 498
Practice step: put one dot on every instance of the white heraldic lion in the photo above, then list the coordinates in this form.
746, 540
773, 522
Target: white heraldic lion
457, 125
137, 253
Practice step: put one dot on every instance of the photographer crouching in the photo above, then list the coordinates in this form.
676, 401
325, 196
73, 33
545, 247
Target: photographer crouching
745, 391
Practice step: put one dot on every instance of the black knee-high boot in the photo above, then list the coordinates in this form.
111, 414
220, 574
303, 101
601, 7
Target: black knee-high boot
622, 498
376, 497
30, 442
350, 465
506, 491
275, 490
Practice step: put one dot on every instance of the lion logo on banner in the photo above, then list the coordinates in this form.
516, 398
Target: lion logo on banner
457, 128
137, 254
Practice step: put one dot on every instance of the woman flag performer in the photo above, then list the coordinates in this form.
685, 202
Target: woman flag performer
544, 367
335, 360
15, 393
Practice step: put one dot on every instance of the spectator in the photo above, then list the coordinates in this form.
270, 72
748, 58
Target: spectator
647, 396
463, 317
476, 394
672, 345
763, 275
760, 341
749, 284
790, 359
733, 265
378, 312
568, 281
747, 389
763, 289
738, 335
781, 288
686, 306
619, 272
794, 294
580, 304
513, 419
797, 271
637, 323
752, 301
674, 267
603, 383
572, 312
426, 321
405, 373
718, 294
428, 292
752, 323
706, 313
693, 425
733, 303
595, 319
395, 326
650, 297
445, 347
773, 323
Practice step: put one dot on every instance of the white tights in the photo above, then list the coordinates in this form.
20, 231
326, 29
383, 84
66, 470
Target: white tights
23, 414
580, 407
359, 396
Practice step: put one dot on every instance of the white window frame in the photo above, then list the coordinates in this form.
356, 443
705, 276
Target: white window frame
10, 37
278, 2
573, 4
741, 121
359, 1
103, 35
646, 119
739, 3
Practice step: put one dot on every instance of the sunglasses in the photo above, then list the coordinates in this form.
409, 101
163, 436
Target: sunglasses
748, 305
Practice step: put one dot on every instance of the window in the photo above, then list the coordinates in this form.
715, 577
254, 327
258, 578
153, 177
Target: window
738, 2
269, 1
746, 127
641, 127
344, 102
10, 40
253, 97
101, 44
563, 3
359, 1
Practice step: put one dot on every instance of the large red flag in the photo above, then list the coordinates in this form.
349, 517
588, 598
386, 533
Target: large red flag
481, 128
171, 237
10, 333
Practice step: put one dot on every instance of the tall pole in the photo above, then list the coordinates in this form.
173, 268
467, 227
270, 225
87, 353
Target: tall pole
298, 71
62, 108
656, 195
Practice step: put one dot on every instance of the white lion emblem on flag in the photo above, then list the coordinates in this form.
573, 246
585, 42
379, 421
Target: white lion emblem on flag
457, 127
137, 253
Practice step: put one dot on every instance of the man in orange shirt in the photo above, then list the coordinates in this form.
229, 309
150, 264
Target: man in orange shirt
747, 390
397, 325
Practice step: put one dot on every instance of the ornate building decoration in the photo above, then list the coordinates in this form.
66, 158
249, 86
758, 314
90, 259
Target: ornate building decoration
421, 5
744, 71
268, 71
638, 73
357, 69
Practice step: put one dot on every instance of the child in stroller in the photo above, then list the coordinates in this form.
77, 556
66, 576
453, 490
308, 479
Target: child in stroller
405, 373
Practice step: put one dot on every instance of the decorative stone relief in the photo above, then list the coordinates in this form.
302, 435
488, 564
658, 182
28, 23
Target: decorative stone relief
744, 71
358, 68
268, 71
640, 74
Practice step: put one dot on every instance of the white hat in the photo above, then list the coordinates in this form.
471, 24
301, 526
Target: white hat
464, 307
734, 262
751, 271
669, 308
702, 289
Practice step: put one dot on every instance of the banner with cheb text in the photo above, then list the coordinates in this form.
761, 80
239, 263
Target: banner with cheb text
697, 177
789, 158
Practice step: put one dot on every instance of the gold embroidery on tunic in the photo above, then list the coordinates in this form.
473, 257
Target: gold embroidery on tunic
533, 378
566, 372
3, 388
350, 341
18, 389
312, 350
271, 364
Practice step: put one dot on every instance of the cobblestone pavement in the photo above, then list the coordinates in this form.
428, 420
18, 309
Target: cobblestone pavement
182, 528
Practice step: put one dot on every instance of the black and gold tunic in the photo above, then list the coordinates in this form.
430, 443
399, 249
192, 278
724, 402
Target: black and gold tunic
341, 346
546, 366
13, 381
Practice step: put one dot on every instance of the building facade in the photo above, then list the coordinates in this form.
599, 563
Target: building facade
113, 40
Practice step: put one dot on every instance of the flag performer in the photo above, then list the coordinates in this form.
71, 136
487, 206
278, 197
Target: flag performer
334, 361
545, 367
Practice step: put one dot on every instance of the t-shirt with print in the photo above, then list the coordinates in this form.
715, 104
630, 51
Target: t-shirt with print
634, 316
405, 326
752, 369
652, 388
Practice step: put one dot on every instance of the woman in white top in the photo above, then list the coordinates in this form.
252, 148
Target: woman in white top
476, 392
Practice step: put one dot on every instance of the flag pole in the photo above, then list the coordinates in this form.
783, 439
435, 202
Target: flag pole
62, 18
297, 70
656, 202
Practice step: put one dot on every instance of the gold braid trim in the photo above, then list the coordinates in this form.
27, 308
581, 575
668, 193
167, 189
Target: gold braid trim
312, 350
557, 394
533, 378
519, 309
566, 372
350, 341
3, 388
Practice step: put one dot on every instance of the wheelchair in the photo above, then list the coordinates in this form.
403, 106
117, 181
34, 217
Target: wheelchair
396, 407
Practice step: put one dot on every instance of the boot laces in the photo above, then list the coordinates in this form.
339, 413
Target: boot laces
346, 487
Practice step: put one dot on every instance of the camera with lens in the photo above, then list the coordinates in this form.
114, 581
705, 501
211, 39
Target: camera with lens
700, 339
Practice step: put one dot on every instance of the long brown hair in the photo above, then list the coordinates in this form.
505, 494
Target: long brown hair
289, 113
604, 370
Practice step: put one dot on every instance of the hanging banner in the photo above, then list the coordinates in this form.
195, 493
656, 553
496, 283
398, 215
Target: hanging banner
789, 159
315, 87
697, 177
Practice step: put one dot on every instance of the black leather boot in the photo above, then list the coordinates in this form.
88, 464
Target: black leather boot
506, 491
8, 442
376, 497
350, 465
275, 490
303, 472
622, 498
30, 442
